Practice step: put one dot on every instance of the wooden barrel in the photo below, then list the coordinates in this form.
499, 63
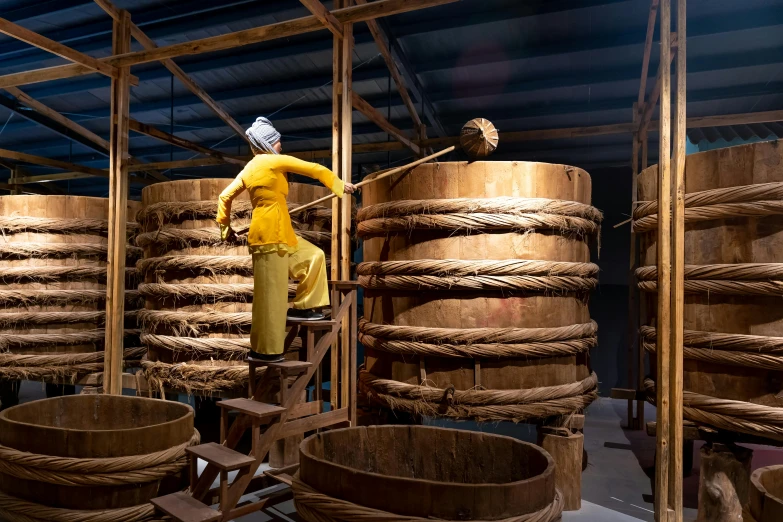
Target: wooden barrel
733, 315
369, 473
198, 289
476, 279
766, 494
53, 287
92, 452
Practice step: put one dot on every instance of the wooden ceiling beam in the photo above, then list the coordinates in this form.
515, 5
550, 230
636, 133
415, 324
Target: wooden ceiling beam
647, 50
308, 24
325, 17
149, 130
48, 162
176, 70
31, 37
361, 105
181, 164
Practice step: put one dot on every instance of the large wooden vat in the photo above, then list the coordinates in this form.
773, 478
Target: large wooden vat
92, 452
199, 290
53, 286
733, 316
375, 473
766, 495
476, 279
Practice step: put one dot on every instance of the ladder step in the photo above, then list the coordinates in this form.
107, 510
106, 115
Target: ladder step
184, 508
224, 458
256, 409
323, 324
291, 367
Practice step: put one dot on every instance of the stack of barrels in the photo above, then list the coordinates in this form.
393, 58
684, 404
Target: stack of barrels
733, 315
199, 289
476, 279
53, 258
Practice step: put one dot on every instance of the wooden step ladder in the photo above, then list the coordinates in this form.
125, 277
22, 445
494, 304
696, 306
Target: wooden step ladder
271, 422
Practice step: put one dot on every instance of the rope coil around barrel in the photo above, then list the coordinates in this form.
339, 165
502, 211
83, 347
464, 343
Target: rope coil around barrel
35, 339
215, 264
739, 350
167, 211
64, 365
16, 298
483, 405
455, 274
224, 347
16, 224
112, 471
8, 319
469, 214
59, 250
13, 509
210, 236
203, 292
197, 376
737, 416
758, 200
727, 279
44, 274
490, 343
314, 506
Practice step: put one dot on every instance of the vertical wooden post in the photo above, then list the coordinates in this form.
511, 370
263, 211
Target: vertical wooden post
337, 54
678, 273
15, 174
118, 212
633, 293
346, 130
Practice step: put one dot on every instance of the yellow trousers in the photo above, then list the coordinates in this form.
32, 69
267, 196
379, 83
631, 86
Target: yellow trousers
271, 272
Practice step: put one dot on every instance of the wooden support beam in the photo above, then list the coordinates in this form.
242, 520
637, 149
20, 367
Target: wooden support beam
149, 130
361, 105
180, 164
649, 105
678, 273
663, 246
633, 292
346, 169
118, 213
31, 37
177, 71
324, 16
308, 24
336, 154
647, 50
48, 162
382, 41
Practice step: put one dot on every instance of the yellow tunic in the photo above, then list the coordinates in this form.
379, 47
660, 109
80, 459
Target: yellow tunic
266, 178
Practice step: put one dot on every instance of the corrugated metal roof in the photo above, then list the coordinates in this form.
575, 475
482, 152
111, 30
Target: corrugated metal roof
524, 65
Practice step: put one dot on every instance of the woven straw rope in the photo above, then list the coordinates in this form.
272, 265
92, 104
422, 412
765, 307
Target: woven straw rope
489, 343
729, 279
45, 318
197, 376
737, 416
171, 211
482, 405
13, 509
113, 471
16, 224
242, 292
58, 297
59, 250
314, 506
44, 274
210, 236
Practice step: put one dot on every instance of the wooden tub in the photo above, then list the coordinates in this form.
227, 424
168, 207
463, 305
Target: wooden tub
423, 472
766, 494
85, 427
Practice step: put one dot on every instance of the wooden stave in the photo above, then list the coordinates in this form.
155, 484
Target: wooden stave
478, 179
17, 432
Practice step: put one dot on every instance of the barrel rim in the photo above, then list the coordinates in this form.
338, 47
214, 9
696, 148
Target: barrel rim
757, 488
467, 162
187, 410
547, 475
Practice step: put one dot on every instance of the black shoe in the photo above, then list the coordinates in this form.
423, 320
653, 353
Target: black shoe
309, 314
267, 358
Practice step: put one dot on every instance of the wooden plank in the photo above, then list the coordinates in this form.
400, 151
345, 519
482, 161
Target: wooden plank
663, 458
218, 455
177, 71
153, 132
647, 49
336, 154
184, 508
382, 42
313, 422
308, 24
324, 16
118, 213
649, 106
346, 170
48, 162
678, 273
181, 164
361, 105
633, 291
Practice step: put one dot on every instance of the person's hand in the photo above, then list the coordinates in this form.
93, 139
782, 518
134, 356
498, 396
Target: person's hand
227, 233
350, 188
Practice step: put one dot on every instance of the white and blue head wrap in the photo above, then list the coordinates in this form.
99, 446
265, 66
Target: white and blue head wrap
263, 135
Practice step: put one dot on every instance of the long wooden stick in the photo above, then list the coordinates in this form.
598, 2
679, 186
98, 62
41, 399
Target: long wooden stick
392, 172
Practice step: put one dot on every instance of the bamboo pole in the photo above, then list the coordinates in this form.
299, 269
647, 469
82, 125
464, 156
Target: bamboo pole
118, 213
664, 275
346, 132
678, 273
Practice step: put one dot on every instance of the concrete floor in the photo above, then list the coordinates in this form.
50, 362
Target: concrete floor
616, 486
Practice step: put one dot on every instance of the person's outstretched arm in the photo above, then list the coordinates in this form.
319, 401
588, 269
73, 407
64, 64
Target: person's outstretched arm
224, 206
315, 171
